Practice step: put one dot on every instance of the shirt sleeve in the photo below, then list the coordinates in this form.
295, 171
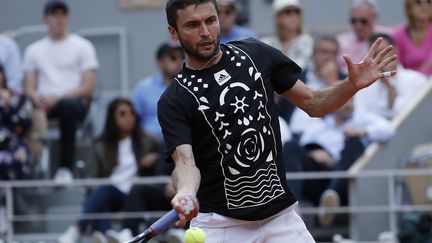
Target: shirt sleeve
284, 71
89, 60
29, 63
12, 65
175, 124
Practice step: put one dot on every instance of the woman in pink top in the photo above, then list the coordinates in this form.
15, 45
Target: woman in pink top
414, 40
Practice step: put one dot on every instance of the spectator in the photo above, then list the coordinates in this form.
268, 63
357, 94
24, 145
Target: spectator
321, 73
389, 96
414, 39
363, 18
169, 57
230, 31
122, 151
60, 79
290, 37
331, 145
10, 58
15, 113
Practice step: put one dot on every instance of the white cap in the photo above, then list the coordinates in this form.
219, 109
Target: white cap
279, 5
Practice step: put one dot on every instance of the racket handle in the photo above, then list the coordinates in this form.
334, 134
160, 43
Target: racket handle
165, 222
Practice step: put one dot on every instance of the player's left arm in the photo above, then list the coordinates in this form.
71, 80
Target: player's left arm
361, 75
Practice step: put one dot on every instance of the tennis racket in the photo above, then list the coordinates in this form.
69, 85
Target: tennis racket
157, 227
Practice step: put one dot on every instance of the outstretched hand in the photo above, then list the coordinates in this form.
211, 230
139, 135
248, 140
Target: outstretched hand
370, 68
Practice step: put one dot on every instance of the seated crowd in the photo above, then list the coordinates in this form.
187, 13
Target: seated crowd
57, 78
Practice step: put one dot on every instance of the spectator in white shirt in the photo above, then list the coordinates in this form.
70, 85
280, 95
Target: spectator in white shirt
60, 79
389, 96
334, 144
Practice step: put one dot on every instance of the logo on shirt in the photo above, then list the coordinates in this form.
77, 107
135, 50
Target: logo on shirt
222, 77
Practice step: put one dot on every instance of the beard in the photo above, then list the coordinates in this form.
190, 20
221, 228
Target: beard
192, 50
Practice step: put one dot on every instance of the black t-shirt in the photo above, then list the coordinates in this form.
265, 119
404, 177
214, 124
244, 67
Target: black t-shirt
227, 113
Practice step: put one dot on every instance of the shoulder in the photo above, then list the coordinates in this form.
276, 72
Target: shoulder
37, 45
149, 80
240, 30
80, 41
251, 45
305, 37
399, 31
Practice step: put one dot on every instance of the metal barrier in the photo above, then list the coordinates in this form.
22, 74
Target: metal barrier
392, 208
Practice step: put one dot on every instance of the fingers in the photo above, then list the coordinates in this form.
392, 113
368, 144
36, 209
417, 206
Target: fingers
383, 53
348, 60
386, 74
387, 61
374, 47
187, 207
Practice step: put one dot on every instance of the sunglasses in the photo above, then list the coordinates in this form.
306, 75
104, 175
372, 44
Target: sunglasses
419, 2
362, 21
124, 113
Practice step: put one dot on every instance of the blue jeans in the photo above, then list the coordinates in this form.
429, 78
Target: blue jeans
102, 199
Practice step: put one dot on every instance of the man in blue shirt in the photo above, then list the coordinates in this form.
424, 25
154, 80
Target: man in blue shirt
10, 58
169, 57
230, 31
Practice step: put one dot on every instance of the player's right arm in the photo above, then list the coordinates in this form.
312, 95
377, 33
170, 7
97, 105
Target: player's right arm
186, 179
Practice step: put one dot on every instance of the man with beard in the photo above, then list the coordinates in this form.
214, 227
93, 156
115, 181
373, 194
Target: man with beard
221, 130
169, 56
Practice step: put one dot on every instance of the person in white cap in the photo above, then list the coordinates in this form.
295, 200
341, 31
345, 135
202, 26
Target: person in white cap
291, 37
230, 31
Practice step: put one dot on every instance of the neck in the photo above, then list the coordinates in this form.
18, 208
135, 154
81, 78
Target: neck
420, 24
199, 64
288, 36
124, 135
58, 36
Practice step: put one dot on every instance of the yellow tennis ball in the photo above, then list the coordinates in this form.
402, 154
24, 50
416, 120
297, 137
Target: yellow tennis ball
194, 235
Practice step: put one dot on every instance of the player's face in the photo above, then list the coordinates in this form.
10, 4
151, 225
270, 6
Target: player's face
198, 30
57, 22
125, 118
363, 21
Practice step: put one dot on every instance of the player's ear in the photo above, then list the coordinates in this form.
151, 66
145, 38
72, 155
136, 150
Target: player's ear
173, 32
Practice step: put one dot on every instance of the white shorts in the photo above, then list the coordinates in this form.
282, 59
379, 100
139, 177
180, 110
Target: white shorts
286, 226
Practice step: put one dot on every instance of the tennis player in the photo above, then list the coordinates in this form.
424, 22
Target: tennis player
220, 125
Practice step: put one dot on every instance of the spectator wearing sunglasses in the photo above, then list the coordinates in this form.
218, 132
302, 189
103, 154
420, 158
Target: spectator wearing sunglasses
122, 152
290, 37
230, 31
169, 58
414, 39
363, 19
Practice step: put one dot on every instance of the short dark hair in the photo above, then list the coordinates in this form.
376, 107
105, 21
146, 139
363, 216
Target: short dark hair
172, 6
53, 5
330, 38
385, 36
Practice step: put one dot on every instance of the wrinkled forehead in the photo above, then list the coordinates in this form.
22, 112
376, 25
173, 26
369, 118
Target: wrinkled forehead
198, 12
